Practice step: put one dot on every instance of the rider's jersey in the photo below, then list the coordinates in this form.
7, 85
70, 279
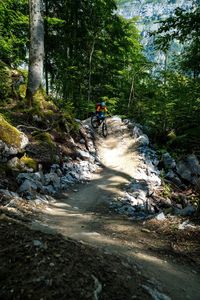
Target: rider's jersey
101, 107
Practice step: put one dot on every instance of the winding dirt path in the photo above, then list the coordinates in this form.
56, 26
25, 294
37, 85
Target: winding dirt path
83, 213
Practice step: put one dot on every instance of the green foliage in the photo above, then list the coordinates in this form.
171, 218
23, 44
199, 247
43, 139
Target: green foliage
13, 31
169, 104
170, 110
5, 81
97, 44
90, 51
183, 26
167, 190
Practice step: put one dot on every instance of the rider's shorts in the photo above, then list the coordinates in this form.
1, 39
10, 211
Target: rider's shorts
100, 114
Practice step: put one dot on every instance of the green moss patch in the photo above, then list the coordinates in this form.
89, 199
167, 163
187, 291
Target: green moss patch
22, 90
43, 137
43, 149
29, 162
40, 102
9, 134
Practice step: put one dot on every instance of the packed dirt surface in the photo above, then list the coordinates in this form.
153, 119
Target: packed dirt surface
94, 253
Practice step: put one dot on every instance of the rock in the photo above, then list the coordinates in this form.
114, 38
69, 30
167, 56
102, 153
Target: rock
185, 225
127, 210
24, 140
197, 185
142, 140
169, 162
6, 151
35, 177
189, 169
127, 122
154, 181
137, 132
65, 180
78, 121
75, 175
37, 243
14, 163
12, 140
30, 182
184, 200
187, 211
193, 164
28, 186
179, 206
138, 186
53, 179
82, 141
59, 172
160, 217
9, 193
54, 167
155, 294
49, 189
85, 155
183, 171
37, 118
145, 230
163, 202
116, 119
174, 178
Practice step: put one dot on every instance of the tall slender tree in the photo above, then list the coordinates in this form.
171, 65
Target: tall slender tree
36, 51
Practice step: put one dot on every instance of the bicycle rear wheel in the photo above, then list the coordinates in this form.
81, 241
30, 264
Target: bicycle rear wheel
104, 129
94, 122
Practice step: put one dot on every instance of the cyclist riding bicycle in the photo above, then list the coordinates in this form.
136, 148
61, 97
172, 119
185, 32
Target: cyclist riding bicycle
101, 109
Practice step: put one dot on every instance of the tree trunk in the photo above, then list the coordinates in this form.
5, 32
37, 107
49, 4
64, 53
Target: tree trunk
131, 96
45, 47
90, 72
36, 51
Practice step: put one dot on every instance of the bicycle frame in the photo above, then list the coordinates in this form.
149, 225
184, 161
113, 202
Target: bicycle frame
96, 123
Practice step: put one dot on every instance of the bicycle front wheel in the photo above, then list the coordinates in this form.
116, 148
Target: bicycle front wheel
94, 121
104, 129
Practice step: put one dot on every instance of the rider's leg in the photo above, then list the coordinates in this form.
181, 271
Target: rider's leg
98, 114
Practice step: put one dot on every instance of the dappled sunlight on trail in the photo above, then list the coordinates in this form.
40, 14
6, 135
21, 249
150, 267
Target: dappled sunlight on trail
83, 213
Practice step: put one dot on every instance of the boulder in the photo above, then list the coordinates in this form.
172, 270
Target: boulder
52, 179
187, 211
168, 161
174, 178
137, 132
28, 186
189, 169
142, 140
12, 141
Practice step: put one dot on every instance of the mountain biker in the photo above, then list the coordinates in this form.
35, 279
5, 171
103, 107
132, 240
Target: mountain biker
101, 109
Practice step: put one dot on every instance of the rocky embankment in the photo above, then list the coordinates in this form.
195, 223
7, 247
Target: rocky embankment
161, 186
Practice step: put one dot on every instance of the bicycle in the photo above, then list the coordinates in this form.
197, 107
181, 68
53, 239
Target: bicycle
96, 123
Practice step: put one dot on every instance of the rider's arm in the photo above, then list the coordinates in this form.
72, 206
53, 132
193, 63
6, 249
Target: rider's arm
98, 108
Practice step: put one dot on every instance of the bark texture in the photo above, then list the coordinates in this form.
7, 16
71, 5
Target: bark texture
36, 52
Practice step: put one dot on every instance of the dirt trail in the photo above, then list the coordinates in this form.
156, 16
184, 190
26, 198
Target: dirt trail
83, 214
